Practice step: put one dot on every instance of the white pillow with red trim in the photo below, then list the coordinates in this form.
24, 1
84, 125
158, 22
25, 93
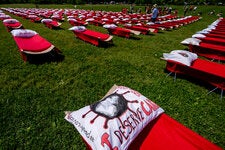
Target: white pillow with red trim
116, 120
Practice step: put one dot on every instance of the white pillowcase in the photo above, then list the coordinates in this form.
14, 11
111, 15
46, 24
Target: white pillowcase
25, 33
72, 19
181, 56
10, 21
116, 120
78, 28
46, 20
192, 41
109, 26
198, 35
90, 19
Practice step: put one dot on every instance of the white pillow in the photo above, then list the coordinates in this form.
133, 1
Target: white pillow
192, 41
181, 56
198, 35
90, 19
78, 28
203, 31
128, 24
105, 19
72, 19
116, 120
46, 20
10, 21
109, 26
26, 33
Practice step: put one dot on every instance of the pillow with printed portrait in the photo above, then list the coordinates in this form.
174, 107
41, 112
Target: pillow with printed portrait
114, 121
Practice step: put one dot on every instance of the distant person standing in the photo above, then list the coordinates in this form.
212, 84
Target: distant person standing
185, 9
155, 13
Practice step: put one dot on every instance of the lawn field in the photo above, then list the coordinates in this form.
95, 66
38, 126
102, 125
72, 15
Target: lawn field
33, 97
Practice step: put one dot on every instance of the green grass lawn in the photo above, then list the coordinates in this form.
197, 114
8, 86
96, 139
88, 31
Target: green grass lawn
33, 98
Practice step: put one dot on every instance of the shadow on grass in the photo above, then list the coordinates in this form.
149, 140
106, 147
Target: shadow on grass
196, 81
52, 56
134, 38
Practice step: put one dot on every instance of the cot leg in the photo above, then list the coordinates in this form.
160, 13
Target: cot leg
221, 94
212, 90
175, 75
169, 74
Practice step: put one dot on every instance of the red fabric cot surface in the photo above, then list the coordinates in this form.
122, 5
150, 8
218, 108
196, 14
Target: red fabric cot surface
14, 25
77, 23
207, 71
208, 50
92, 37
165, 133
215, 35
120, 32
213, 40
33, 44
143, 30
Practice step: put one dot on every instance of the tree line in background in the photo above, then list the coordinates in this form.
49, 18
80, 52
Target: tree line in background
139, 2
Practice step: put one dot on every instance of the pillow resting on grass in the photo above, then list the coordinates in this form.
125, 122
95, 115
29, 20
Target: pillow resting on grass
181, 56
24, 33
114, 121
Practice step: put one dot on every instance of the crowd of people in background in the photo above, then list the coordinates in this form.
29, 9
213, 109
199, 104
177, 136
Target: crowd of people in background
148, 9
156, 10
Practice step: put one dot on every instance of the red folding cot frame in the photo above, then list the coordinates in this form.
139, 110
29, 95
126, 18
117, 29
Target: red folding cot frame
207, 71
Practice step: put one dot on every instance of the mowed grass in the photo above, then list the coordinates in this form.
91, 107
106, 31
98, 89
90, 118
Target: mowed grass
33, 98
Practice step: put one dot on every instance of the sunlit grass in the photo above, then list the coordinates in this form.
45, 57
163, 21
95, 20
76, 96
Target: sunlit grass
33, 97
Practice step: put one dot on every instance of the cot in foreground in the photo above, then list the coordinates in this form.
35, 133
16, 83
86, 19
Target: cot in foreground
167, 133
125, 119
32, 45
94, 37
180, 62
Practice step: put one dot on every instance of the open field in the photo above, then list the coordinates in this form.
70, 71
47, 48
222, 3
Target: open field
33, 98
